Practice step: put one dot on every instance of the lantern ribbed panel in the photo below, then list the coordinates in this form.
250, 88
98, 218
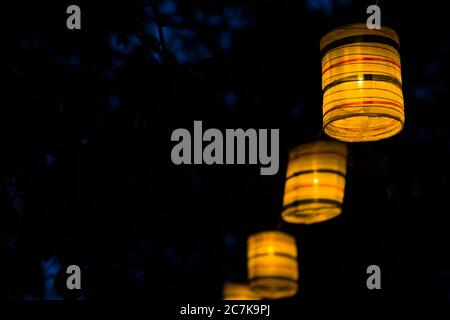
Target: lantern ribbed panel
315, 182
238, 291
272, 264
361, 84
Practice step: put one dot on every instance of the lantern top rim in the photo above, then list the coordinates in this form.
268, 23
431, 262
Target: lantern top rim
357, 29
335, 145
271, 233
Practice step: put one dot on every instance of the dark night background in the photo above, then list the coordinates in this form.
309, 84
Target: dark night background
86, 176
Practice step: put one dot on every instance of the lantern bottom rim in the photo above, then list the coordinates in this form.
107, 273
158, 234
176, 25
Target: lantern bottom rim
310, 216
376, 127
242, 297
274, 288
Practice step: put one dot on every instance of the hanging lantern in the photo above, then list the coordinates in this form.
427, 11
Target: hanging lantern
361, 84
272, 264
315, 182
238, 291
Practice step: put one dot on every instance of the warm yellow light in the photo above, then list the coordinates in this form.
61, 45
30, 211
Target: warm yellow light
238, 291
315, 182
272, 264
361, 84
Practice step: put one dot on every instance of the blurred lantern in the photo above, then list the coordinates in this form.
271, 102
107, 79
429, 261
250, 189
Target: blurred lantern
272, 264
238, 291
315, 182
361, 84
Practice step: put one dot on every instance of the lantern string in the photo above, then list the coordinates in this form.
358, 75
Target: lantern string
164, 51
280, 225
157, 16
319, 135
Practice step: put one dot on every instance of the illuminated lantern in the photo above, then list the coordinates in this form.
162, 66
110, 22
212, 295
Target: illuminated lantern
272, 264
361, 84
238, 291
315, 182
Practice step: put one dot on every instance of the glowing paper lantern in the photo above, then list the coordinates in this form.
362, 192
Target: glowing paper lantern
361, 84
272, 264
315, 182
238, 291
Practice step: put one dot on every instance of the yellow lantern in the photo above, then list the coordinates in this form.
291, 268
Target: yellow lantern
238, 291
361, 84
315, 182
272, 264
